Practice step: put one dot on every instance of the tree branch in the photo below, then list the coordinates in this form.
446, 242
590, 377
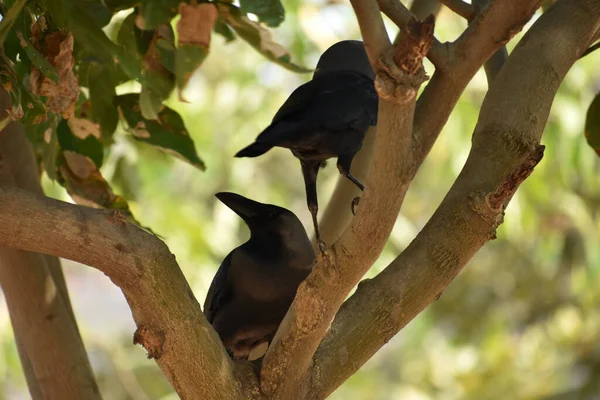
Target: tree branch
510, 126
337, 214
288, 359
488, 31
373, 31
170, 323
461, 8
52, 353
421, 9
401, 16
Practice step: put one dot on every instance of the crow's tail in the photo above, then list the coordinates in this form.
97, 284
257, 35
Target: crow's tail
254, 150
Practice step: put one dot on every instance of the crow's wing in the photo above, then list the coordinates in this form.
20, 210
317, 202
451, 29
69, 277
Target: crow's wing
220, 291
334, 101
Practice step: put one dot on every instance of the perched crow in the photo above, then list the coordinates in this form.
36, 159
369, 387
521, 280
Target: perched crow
256, 283
324, 118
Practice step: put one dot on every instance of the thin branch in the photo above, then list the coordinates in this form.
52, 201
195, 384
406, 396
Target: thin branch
170, 323
473, 209
461, 8
494, 64
401, 16
286, 365
423, 8
490, 29
373, 31
337, 215
590, 50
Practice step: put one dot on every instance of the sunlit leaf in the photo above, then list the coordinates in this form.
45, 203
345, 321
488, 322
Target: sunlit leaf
592, 124
270, 12
258, 37
168, 132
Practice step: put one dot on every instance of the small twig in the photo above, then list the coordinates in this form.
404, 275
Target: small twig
461, 8
372, 29
401, 16
590, 50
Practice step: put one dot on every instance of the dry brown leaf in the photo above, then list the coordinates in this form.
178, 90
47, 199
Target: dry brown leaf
81, 166
61, 96
82, 127
196, 23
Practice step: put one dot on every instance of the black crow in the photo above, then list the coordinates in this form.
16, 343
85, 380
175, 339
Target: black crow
324, 118
257, 282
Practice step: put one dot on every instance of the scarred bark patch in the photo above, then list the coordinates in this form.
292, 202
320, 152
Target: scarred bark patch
150, 339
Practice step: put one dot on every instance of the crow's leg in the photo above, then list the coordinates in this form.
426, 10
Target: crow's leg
343, 164
310, 169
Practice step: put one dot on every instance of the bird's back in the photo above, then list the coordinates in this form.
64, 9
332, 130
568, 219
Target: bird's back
325, 117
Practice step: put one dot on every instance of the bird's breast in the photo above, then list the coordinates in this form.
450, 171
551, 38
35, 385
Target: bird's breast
266, 280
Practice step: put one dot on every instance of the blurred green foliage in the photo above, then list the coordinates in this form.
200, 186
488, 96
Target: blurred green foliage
521, 321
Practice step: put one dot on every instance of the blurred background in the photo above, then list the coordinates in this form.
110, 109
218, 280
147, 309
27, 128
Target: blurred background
521, 321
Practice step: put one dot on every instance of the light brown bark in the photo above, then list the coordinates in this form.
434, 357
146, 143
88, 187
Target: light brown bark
505, 150
49, 344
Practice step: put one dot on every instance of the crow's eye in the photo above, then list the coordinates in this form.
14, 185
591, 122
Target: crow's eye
272, 214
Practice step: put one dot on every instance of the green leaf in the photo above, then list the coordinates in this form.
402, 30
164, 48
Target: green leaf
224, 30
89, 146
37, 59
258, 37
157, 12
168, 132
592, 124
166, 51
187, 60
97, 11
119, 5
270, 12
9, 18
102, 96
150, 103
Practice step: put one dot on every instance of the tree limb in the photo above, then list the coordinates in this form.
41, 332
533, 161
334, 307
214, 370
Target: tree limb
489, 30
421, 9
288, 359
510, 126
373, 31
337, 214
52, 353
401, 16
461, 8
170, 323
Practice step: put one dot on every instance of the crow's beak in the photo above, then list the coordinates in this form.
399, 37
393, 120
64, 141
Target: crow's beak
242, 206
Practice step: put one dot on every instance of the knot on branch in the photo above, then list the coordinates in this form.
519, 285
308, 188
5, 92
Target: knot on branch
151, 339
400, 71
497, 200
310, 309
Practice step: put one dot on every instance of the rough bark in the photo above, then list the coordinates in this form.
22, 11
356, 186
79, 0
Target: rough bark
50, 347
335, 273
505, 150
337, 214
169, 319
